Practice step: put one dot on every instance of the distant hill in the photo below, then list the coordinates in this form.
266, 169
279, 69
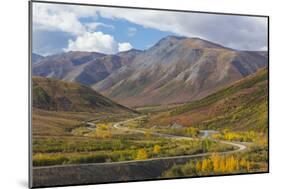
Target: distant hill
51, 94
241, 106
35, 58
174, 70
83, 67
64, 66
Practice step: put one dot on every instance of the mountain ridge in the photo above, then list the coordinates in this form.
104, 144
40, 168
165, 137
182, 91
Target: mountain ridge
174, 70
179, 71
35, 58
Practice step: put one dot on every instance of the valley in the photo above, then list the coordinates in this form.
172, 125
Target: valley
116, 135
191, 106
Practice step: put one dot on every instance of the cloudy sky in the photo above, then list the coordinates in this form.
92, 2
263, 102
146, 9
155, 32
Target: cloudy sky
60, 28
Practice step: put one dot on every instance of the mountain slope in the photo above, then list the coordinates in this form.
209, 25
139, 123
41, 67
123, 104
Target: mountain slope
51, 94
35, 58
65, 66
177, 70
241, 106
83, 67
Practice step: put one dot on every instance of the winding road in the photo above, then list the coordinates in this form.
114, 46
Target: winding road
147, 169
205, 134
117, 126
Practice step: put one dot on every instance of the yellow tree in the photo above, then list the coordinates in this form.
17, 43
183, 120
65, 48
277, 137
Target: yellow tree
248, 166
227, 164
231, 164
222, 165
192, 131
103, 126
216, 163
142, 154
243, 163
156, 149
198, 166
205, 165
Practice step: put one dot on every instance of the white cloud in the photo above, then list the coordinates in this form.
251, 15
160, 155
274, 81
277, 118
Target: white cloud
53, 18
240, 32
94, 42
97, 42
65, 18
93, 26
124, 47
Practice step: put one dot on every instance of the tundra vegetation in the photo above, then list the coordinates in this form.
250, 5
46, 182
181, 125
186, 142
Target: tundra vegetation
104, 143
114, 133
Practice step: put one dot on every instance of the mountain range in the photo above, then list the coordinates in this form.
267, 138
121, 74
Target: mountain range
174, 70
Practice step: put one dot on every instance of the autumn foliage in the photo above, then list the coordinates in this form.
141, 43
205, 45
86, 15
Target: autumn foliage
156, 149
142, 154
212, 165
221, 164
